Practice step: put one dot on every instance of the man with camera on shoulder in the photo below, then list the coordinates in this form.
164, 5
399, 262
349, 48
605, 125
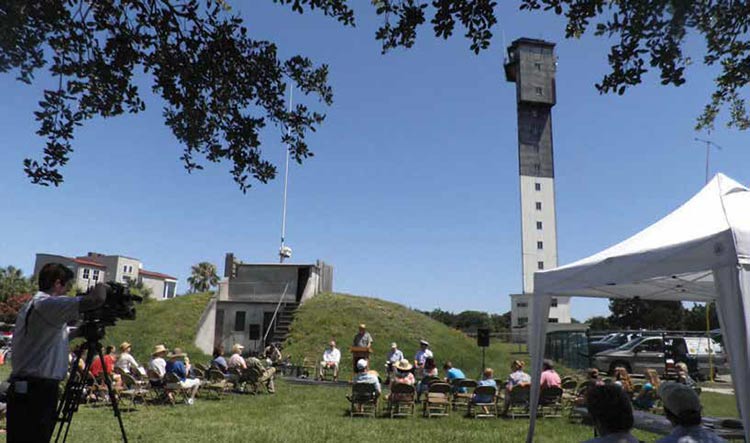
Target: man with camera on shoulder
40, 353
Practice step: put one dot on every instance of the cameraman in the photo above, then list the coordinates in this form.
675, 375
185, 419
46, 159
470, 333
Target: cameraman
40, 353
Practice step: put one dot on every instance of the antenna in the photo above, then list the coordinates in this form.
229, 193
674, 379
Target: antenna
709, 145
505, 48
285, 251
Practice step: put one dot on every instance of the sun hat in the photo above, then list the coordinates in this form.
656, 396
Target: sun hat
362, 326
394, 345
125, 346
176, 353
159, 349
237, 348
679, 398
403, 365
361, 364
424, 342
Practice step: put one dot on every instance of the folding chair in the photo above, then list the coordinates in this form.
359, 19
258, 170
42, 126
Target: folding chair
172, 386
401, 400
570, 394
437, 402
132, 390
480, 405
363, 401
462, 398
550, 402
201, 366
216, 382
518, 402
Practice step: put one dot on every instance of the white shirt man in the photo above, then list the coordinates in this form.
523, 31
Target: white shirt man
157, 363
331, 360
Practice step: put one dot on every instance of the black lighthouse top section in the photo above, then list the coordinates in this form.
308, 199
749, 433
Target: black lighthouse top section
531, 64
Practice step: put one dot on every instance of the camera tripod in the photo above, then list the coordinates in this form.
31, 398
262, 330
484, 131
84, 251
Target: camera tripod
74, 388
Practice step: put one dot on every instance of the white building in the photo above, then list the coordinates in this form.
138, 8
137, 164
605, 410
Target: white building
531, 65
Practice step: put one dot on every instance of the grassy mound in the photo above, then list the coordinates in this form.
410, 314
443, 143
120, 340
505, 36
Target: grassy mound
336, 316
171, 322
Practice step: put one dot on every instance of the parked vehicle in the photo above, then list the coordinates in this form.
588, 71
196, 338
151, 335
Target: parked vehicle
612, 341
654, 352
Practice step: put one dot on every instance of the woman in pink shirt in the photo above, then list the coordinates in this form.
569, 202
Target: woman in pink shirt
550, 378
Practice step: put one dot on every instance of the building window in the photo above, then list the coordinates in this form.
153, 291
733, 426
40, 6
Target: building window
538, 206
540, 245
522, 321
85, 273
96, 275
540, 265
521, 304
125, 268
538, 90
538, 66
537, 186
553, 320
537, 167
539, 225
239, 321
254, 333
553, 303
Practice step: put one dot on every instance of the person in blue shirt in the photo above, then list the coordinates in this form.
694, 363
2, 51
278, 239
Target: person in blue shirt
181, 369
219, 362
452, 374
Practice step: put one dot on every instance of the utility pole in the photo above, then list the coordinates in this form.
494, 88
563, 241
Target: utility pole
285, 251
709, 144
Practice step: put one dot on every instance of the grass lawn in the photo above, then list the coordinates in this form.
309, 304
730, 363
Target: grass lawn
303, 414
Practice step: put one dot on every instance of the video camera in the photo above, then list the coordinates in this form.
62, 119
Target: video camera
119, 304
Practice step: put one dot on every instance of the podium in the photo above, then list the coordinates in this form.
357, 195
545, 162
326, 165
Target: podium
357, 353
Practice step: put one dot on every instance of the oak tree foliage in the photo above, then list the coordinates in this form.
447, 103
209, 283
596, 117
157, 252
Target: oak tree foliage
221, 87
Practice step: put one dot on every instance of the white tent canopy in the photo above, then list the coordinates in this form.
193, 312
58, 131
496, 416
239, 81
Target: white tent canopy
699, 252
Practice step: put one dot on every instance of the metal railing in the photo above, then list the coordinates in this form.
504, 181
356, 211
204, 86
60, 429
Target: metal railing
272, 324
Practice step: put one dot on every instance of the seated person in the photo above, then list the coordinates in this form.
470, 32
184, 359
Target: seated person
429, 371
126, 362
402, 375
610, 409
266, 374
109, 365
272, 355
236, 360
682, 407
648, 395
365, 376
550, 377
331, 360
177, 366
683, 375
622, 379
158, 365
592, 379
394, 356
452, 374
487, 380
219, 362
516, 378
421, 356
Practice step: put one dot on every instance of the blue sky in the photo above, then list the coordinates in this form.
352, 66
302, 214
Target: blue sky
413, 192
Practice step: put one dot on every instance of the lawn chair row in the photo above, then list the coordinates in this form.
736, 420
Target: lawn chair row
440, 398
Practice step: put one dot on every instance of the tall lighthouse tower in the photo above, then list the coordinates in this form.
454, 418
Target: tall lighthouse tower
531, 65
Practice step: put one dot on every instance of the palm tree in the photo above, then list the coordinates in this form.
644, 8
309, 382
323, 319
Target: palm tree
203, 277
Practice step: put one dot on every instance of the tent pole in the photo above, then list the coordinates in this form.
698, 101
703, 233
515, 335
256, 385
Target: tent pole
708, 343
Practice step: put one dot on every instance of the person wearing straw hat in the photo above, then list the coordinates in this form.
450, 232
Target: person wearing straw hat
402, 373
126, 362
178, 365
157, 362
236, 360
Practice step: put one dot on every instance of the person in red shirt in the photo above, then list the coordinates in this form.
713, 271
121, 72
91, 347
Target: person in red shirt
550, 377
109, 362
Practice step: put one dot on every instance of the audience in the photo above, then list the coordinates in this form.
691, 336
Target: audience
683, 375
610, 409
266, 374
622, 379
516, 378
394, 356
593, 377
219, 362
331, 360
452, 374
487, 380
272, 354
109, 362
364, 376
682, 407
402, 375
126, 362
550, 378
648, 395
181, 370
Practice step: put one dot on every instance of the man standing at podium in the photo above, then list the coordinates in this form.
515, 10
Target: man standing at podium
363, 339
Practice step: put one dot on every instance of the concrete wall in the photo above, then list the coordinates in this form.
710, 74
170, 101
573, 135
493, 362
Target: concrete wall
520, 309
264, 283
204, 337
155, 284
229, 332
537, 206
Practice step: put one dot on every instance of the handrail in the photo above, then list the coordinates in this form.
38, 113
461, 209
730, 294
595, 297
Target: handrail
273, 319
